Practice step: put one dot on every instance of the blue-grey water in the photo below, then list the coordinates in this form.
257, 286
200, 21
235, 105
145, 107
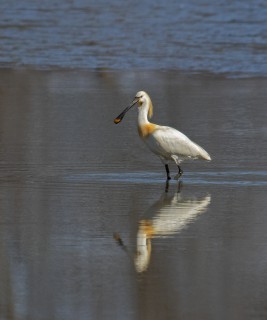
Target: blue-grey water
87, 229
222, 37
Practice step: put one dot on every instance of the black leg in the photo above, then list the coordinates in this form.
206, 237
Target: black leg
180, 172
167, 186
168, 172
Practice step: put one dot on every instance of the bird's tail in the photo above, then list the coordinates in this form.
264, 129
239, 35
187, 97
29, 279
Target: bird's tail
203, 154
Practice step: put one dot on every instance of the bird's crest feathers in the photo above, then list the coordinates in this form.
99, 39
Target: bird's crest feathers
150, 110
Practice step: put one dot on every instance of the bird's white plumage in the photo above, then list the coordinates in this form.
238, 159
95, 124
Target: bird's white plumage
170, 144
166, 142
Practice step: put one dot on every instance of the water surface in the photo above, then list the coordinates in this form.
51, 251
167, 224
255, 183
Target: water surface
221, 37
87, 230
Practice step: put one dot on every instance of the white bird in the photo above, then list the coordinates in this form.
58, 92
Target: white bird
167, 143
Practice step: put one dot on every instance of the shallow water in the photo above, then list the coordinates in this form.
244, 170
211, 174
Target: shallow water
87, 229
219, 36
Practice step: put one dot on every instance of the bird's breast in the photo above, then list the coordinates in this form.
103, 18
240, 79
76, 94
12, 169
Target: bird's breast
145, 130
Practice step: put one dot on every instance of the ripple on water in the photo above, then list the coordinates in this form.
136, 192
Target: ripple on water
234, 178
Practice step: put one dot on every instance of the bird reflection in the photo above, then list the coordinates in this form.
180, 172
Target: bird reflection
171, 214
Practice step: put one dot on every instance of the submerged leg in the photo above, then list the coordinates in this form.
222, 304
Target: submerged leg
177, 161
168, 172
180, 172
167, 186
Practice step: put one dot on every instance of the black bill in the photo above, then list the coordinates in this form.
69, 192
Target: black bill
121, 115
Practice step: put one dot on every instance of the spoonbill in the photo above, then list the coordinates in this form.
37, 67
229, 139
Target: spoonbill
167, 143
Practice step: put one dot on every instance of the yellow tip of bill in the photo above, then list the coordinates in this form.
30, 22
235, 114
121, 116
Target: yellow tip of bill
117, 120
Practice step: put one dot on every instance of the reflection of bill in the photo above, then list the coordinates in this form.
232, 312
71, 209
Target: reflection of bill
172, 214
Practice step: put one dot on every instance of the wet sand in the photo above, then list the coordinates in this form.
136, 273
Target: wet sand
87, 230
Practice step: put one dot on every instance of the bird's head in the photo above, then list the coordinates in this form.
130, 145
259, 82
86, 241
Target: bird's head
143, 100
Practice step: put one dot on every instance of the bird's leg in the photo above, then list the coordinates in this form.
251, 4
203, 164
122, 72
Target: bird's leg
180, 172
167, 186
168, 172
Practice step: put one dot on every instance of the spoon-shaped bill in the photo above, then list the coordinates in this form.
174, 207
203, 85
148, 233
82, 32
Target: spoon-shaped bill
121, 115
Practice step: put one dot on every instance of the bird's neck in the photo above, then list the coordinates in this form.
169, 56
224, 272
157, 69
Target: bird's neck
142, 116
145, 128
